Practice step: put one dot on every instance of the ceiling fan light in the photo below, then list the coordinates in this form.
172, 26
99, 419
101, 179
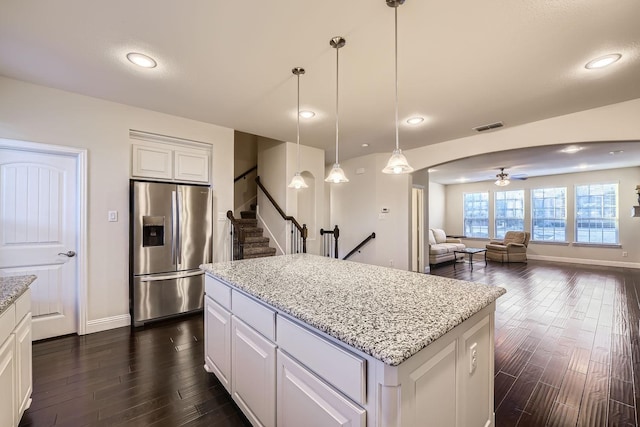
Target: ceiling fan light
502, 182
336, 175
397, 163
297, 182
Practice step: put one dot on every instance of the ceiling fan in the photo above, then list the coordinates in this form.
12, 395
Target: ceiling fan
503, 178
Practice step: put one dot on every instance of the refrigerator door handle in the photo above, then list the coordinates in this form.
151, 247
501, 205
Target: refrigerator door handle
170, 276
179, 234
174, 227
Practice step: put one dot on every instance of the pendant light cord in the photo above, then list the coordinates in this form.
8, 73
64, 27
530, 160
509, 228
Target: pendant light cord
298, 124
337, 80
396, 74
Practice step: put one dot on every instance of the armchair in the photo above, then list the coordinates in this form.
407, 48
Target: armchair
512, 249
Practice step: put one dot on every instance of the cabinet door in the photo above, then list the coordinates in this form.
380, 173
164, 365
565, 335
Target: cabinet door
217, 327
253, 374
152, 161
8, 404
24, 364
191, 165
304, 400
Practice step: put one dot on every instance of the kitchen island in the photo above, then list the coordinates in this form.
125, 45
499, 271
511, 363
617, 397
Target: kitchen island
15, 348
310, 340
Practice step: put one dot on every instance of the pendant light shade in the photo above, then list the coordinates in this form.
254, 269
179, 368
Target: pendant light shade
297, 181
336, 175
398, 163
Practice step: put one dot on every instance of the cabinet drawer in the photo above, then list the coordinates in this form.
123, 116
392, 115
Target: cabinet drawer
301, 393
217, 291
253, 313
7, 322
23, 305
342, 369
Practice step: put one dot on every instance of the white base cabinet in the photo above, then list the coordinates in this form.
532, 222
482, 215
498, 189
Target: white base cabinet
286, 373
15, 360
253, 374
217, 329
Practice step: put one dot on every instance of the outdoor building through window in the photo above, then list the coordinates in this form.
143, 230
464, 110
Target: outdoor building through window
509, 212
549, 214
476, 214
597, 214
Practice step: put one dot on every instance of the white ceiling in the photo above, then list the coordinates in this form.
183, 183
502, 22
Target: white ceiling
229, 62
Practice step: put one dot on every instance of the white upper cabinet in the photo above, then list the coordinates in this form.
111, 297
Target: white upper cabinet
164, 158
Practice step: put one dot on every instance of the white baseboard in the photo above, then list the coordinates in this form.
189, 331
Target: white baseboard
600, 262
107, 323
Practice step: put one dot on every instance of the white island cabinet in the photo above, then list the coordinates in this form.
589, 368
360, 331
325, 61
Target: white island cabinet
344, 350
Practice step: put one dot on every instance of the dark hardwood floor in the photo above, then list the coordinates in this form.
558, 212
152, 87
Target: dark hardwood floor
567, 354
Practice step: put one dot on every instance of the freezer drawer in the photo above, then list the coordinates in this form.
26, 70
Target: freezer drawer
158, 296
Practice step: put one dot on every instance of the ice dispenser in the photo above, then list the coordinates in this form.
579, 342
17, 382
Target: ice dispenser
152, 231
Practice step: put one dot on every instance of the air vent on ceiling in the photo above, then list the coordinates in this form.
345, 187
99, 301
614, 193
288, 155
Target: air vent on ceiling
488, 127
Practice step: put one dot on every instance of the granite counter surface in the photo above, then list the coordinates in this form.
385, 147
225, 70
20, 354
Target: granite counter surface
387, 313
11, 288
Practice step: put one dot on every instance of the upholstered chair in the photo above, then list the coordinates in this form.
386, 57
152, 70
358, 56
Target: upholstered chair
512, 249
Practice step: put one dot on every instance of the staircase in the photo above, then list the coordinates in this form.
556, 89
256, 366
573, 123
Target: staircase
255, 244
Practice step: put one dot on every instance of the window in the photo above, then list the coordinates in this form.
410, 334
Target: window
549, 214
476, 214
509, 213
597, 213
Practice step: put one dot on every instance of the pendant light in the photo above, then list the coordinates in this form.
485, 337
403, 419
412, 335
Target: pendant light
336, 175
398, 163
297, 181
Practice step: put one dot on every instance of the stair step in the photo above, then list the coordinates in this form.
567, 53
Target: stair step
255, 242
248, 214
258, 252
247, 222
252, 231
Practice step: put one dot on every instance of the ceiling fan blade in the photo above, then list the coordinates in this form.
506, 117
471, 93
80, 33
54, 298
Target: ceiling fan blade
521, 177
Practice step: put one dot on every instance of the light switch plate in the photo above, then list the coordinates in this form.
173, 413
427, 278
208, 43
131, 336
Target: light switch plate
113, 216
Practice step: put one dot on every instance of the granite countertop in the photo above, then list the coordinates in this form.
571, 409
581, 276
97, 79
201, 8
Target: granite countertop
387, 313
11, 288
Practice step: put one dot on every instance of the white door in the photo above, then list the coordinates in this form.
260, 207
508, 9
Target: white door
38, 207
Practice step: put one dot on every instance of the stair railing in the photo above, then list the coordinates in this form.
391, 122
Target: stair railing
357, 248
330, 242
237, 238
245, 173
299, 232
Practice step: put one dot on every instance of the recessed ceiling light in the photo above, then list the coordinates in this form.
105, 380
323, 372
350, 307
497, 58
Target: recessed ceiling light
582, 166
571, 149
365, 145
613, 153
307, 114
142, 60
415, 120
603, 61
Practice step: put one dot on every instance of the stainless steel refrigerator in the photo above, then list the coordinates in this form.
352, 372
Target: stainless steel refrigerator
170, 236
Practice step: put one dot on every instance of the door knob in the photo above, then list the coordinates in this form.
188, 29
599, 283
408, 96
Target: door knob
70, 254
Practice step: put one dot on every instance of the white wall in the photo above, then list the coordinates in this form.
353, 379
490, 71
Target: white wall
356, 209
307, 205
437, 206
245, 157
39, 114
627, 179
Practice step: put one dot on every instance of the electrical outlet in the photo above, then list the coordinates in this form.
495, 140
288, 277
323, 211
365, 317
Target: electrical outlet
625, 254
390, 263
113, 216
473, 357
